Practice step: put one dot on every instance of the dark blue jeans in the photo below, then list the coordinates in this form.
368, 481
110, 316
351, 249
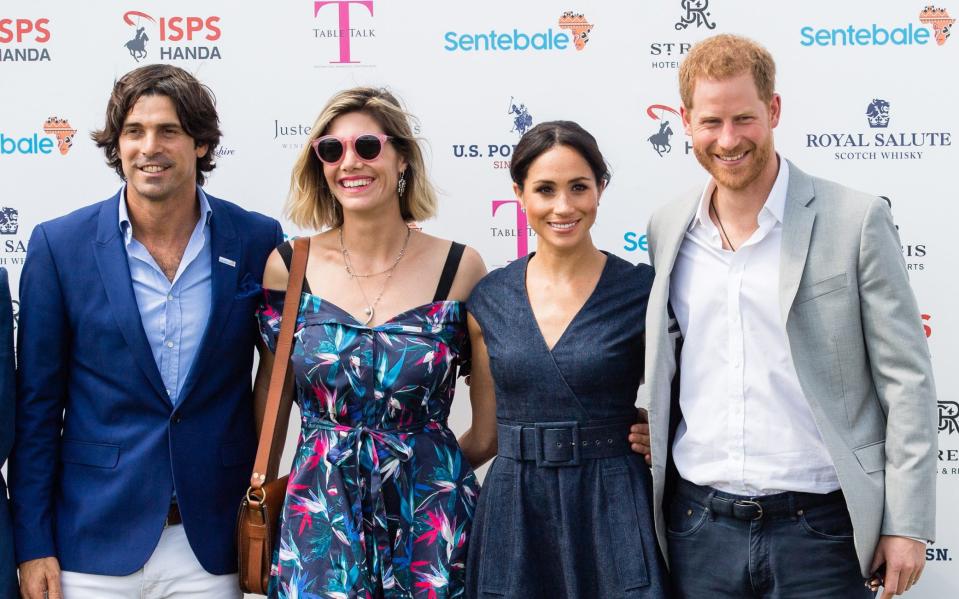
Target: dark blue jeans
784, 546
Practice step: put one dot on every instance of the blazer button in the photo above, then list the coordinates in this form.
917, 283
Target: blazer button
177, 419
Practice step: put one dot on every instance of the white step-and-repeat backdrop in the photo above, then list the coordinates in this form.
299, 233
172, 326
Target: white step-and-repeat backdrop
869, 93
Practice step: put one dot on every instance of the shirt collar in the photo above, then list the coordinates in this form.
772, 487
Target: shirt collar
126, 227
775, 204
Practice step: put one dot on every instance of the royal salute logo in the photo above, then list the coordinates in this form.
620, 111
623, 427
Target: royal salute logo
339, 34
176, 37
573, 33
9, 221
24, 40
932, 23
661, 141
13, 249
885, 143
37, 144
877, 114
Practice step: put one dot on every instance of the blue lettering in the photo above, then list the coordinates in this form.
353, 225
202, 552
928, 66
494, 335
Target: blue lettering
519, 40
874, 35
561, 41
450, 38
635, 241
806, 33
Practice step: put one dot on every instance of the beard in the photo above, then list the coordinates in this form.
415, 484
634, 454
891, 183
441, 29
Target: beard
739, 177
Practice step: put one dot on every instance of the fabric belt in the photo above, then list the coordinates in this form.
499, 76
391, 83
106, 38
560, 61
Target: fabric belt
558, 444
741, 507
173, 516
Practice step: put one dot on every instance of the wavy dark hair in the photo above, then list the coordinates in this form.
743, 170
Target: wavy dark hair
195, 107
545, 136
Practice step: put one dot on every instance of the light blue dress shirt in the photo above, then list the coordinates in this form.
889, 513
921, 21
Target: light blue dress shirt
174, 315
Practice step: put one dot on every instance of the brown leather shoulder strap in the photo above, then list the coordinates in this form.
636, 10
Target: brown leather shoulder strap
265, 468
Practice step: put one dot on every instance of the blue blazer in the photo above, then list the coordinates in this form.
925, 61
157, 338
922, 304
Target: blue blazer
8, 567
97, 494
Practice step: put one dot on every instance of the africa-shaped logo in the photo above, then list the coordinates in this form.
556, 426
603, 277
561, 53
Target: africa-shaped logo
61, 129
660, 139
695, 15
522, 120
940, 20
878, 114
138, 45
576, 24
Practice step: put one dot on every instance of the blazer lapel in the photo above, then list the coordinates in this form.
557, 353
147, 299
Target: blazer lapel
111, 258
223, 244
675, 231
798, 221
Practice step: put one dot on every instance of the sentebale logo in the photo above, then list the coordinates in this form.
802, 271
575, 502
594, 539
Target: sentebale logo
875, 34
36, 144
573, 28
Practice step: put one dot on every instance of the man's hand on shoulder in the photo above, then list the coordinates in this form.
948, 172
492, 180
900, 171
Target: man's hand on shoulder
39, 575
904, 559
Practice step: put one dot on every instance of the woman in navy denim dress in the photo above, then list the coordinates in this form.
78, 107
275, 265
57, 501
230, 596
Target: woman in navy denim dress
564, 512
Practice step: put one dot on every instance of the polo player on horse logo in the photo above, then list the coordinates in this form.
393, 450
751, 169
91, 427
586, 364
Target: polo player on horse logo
137, 46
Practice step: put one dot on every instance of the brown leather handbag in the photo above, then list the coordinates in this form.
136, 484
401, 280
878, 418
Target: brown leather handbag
258, 519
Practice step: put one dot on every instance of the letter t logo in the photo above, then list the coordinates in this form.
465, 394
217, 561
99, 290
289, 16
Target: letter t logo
344, 24
522, 236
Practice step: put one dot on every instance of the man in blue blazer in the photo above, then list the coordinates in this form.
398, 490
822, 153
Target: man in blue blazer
8, 569
135, 429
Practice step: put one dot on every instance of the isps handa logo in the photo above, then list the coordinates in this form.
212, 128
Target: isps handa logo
175, 38
343, 29
665, 118
572, 31
931, 23
878, 139
498, 150
24, 40
56, 133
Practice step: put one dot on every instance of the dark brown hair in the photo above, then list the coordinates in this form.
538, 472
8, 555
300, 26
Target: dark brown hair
195, 107
545, 136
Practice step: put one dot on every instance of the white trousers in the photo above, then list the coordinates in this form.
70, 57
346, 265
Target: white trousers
172, 572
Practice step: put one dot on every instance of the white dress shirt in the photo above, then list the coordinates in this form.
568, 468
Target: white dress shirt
747, 427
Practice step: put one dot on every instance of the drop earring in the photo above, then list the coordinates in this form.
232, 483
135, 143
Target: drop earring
401, 185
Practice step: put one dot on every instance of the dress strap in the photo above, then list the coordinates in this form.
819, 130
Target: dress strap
285, 250
449, 271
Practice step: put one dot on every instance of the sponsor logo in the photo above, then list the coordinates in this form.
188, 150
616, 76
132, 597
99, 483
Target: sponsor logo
520, 120
572, 27
949, 417
885, 143
179, 37
37, 144
223, 152
693, 17
925, 325
635, 242
933, 23
661, 140
695, 14
517, 229
913, 253
346, 29
13, 250
23, 40
9, 221
938, 554
291, 136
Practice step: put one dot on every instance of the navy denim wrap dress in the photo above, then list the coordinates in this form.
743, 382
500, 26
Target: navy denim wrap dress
567, 516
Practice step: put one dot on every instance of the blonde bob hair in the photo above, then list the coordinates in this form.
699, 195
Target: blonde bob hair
311, 204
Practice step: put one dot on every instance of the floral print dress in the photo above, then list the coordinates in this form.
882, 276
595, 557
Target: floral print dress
380, 497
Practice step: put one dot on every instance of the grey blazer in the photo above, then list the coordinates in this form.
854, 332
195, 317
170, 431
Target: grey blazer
858, 345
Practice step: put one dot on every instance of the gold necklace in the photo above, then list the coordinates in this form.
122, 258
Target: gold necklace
348, 264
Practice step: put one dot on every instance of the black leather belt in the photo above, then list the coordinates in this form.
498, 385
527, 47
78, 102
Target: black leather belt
173, 516
558, 444
779, 505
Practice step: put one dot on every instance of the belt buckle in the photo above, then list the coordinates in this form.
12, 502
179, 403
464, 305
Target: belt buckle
557, 439
751, 503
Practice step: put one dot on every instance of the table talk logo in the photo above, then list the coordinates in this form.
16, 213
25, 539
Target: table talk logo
879, 140
350, 25
37, 144
24, 40
516, 226
572, 32
932, 23
179, 37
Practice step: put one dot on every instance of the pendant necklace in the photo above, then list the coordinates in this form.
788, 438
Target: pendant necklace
348, 264
712, 207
